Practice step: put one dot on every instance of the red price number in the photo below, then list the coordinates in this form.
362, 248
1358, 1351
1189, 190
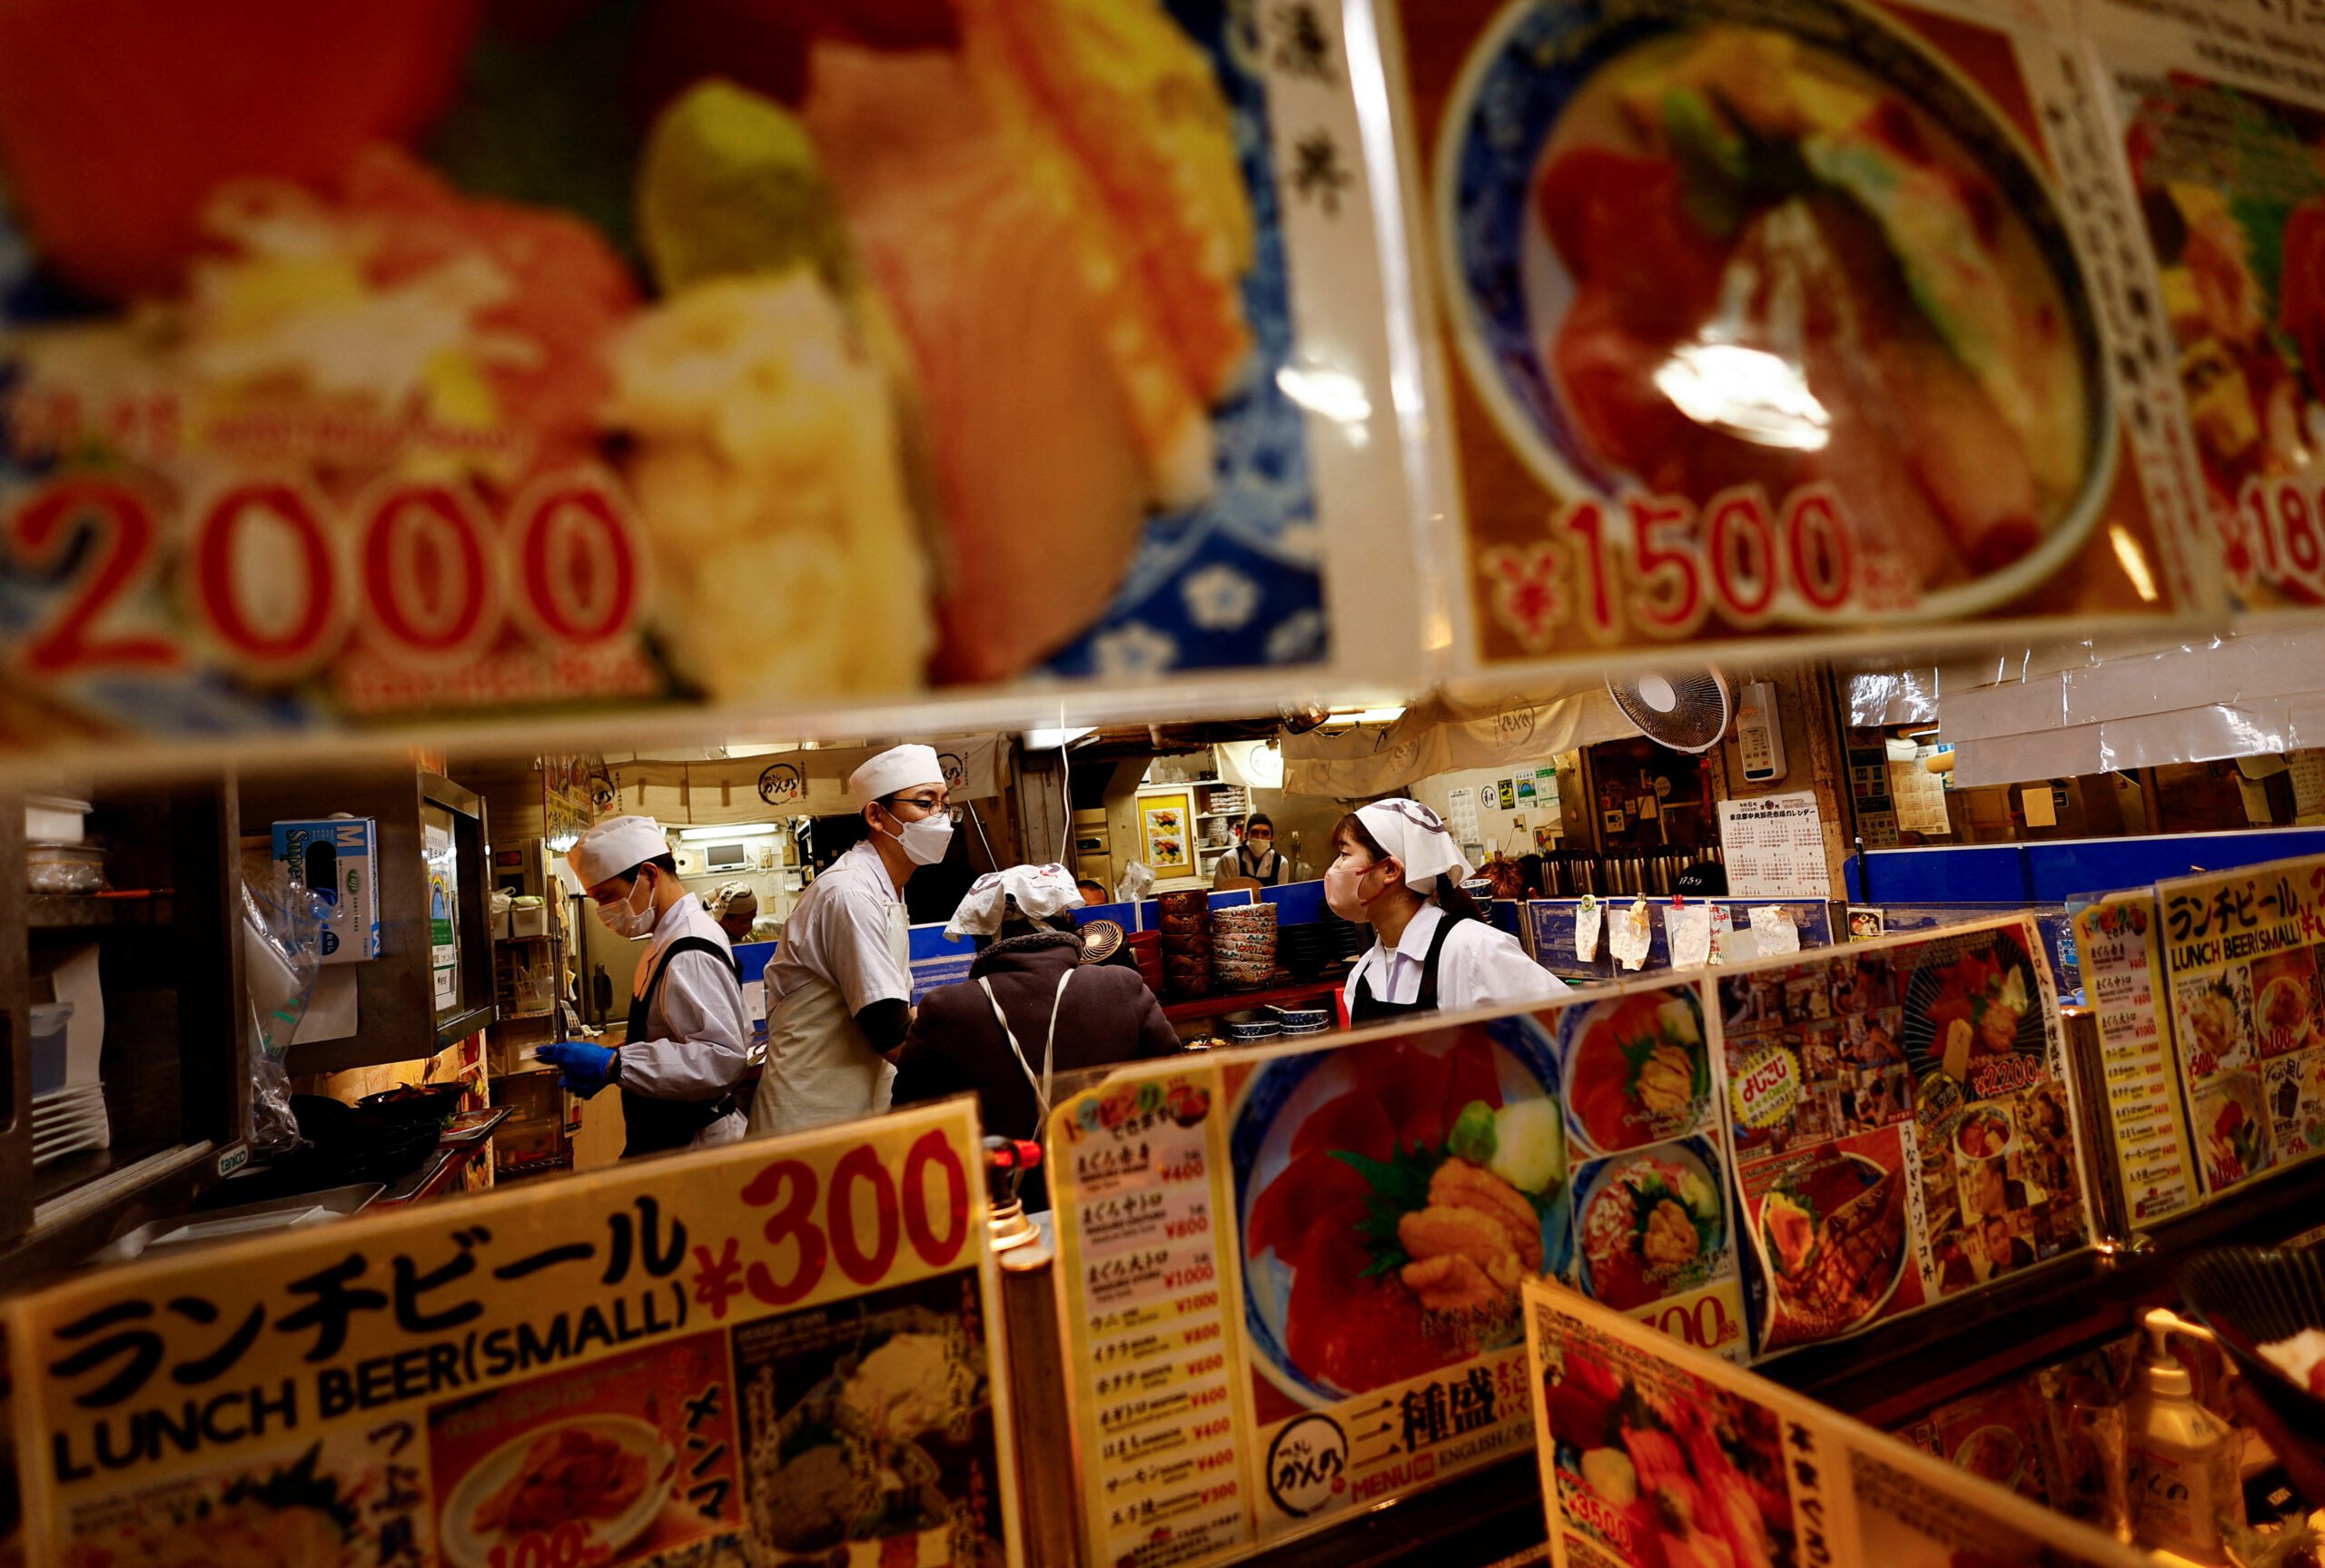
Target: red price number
1705, 1325
567, 1547
867, 1216
1664, 566
2281, 523
278, 579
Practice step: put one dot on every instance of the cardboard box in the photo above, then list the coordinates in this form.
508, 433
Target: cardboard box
528, 918
338, 857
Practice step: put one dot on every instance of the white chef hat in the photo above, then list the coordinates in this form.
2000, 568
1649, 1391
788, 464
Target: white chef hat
732, 896
897, 768
1418, 837
1041, 892
612, 847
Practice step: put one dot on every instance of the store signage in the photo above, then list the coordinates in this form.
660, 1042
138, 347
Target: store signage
2240, 958
2123, 978
713, 1354
1273, 1316
1627, 1420
1901, 1125
1690, 401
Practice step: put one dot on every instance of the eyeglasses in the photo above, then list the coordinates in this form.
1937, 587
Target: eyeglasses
930, 806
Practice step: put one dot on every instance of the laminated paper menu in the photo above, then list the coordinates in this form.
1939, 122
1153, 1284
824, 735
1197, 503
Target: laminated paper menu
2239, 949
777, 1352
2123, 971
1651, 1453
1760, 318
1291, 1279
1900, 1122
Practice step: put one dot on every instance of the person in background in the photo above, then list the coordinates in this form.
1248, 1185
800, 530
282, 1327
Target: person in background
1093, 892
1030, 1008
1397, 869
688, 1040
839, 987
734, 907
1256, 859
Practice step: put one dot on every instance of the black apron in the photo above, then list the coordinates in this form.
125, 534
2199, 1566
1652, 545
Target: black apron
657, 1126
1365, 1009
1243, 867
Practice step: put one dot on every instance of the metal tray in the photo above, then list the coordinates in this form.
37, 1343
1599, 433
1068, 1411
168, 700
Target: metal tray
297, 1211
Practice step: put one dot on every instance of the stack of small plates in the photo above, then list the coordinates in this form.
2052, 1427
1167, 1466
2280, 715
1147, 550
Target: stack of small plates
1242, 946
68, 1120
1303, 1020
1249, 1028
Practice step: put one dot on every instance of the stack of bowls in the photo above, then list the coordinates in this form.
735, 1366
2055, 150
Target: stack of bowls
1186, 943
1305, 949
1242, 946
1303, 1020
1254, 1027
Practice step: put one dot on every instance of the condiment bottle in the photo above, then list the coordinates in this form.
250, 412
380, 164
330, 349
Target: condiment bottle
2182, 1458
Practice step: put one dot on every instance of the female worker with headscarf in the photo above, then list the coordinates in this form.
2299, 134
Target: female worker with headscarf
839, 986
1032, 1007
688, 1040
1397, 868
736, 908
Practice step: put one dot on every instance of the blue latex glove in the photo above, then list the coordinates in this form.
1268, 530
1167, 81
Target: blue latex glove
581, 1066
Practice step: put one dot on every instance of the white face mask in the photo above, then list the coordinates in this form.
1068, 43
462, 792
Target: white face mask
925, 842
627, 918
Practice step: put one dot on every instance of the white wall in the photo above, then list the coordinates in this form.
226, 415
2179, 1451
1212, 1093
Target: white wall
1511, 831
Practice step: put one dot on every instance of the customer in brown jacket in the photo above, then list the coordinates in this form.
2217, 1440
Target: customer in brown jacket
1029, 1009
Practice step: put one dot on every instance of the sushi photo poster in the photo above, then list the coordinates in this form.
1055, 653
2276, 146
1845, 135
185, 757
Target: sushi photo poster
780, 1349
2241, 965
1290, 1279
1900, 1124
1651, 1451
528, 362
1774, 318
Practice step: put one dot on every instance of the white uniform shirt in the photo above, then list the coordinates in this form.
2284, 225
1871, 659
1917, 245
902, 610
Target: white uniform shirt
1481, 966
699, 1039
838, 933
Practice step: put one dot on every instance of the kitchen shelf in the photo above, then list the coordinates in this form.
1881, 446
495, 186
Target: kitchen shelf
529, 1012
1238, 1001
535, 936
82, 911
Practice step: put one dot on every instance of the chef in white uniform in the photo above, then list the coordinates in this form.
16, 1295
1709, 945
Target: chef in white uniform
689, 1040
1397, 868
839, 987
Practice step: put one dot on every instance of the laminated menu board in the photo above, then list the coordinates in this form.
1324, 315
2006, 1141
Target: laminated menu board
1900, 1123
1651, 1453
1289, 1280
2219, 113
2118, 938
1773, 318
2240, 953
781, 1352
535, 360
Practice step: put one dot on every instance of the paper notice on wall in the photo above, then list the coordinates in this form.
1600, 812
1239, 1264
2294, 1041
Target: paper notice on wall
1586, 928
1628, 936
1689, 928
1773, 930
2307, 771
1919, 795
1730, 942
1461, 815
1774, 847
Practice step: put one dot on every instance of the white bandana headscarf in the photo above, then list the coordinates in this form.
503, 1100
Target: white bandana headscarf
1041, 892
1418, 837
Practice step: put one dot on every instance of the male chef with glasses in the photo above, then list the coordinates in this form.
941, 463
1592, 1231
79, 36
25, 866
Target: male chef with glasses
839, 987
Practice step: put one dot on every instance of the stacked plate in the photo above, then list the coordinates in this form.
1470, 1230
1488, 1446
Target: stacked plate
69, 1120
1303, 1020
1250, 1027
1242, 946
1305, 949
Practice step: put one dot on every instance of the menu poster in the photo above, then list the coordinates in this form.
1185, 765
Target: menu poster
1774, 846
2220, 116
1900, 1122
2123, 971
2240, 949
782, 1350
1605, 281
1652, 1452
1291, 1281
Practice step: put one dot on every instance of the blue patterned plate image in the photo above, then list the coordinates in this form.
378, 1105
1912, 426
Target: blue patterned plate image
1818, 256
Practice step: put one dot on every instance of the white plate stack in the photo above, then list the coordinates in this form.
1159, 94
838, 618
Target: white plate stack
70, 1117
